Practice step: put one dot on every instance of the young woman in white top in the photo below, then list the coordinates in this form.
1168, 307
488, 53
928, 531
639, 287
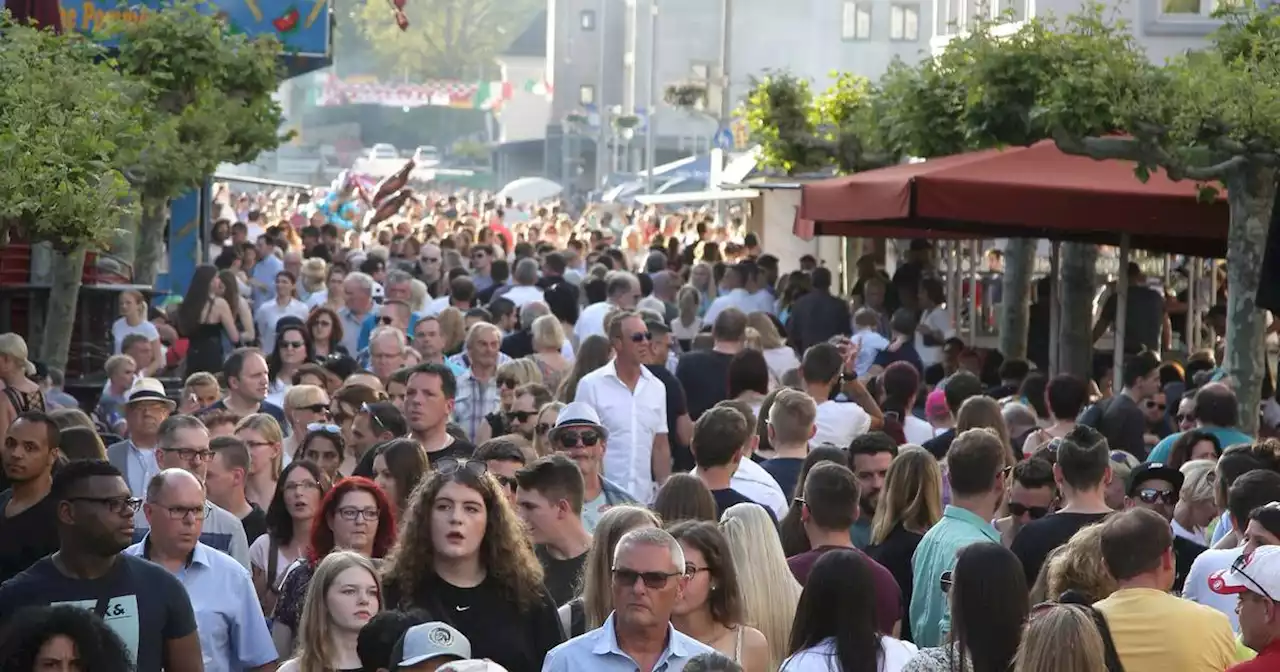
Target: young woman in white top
835, 626
270, 312
345, 593
293, 507
133, 320
687, 324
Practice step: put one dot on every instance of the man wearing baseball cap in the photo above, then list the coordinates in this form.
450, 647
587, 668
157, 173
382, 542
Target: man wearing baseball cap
1155, 486
580, 436
428, 647
1255, 579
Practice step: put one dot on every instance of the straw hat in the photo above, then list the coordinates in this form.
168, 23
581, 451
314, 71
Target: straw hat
149, 389
12, 345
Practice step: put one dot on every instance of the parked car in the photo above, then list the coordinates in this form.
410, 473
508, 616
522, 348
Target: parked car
383, 150
426, 154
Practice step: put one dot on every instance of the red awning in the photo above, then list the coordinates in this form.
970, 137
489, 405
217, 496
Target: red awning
1020, 192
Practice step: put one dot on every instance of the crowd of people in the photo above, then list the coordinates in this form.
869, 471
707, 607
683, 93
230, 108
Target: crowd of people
487, 437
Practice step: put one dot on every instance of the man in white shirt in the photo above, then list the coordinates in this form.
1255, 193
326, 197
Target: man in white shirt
838, 422
525, 289
736, 295
622, 292
935, 322
632, 404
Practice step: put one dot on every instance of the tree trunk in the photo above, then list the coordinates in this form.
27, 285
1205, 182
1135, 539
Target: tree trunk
1077, 286
124, 244
1251, 191
155, 216
60, 315
1015, 304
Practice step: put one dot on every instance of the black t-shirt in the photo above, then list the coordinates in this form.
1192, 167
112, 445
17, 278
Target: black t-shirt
1185, 552
144, 604
786, 471
561, 577
704, 374
485, 614
1035, 541
255, 523
940, 444
457, 450
677, 406
28, 536
895, 553
1122, 422
728, 497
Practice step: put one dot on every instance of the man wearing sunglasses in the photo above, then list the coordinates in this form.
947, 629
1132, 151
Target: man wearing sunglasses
579, 435
1030, 498
1255, 581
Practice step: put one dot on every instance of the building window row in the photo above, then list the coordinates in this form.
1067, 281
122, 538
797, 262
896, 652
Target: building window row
904, 21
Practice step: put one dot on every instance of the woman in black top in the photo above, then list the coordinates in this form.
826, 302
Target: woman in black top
464, 559
910, 504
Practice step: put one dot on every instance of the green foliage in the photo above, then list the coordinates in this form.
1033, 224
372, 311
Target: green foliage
209, 92
448, 39
67, 120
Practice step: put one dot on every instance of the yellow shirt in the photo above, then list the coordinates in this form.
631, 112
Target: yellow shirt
1157, 632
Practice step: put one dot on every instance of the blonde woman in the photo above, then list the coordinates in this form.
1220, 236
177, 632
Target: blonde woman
344, 594
547, 417
702, 278
589, 611
780, 357
985, 412
453, 328
303, 405
687, 323
261, 434
1196, 508
548, 345
769, 591
1078, 566
510, 376
1061, 638
311, 280
910, 503
133, 320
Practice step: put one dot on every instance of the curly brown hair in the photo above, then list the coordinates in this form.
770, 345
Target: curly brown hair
505, 551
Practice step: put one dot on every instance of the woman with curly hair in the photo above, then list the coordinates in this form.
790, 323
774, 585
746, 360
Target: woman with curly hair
64, 637
465, 559
355, 515
346, 596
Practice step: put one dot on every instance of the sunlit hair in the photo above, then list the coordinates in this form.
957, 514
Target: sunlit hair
767, 331
548, 334
593, 353
684, 497
314, 649
540, 444
982, 411
725, 602
504, 552
270, 430
1061, 638
322, 542
522, 370
453, 327
597, 572
1197, 486
1078, 566
298, 396
912, 494
770, 592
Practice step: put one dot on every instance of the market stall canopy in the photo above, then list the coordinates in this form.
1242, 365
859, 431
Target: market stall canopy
530, 190
1019, 192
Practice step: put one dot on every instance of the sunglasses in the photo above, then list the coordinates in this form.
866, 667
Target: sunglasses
641, 337
626, 578
314, 408
376, 422
587, 438
945, 581
1150, 495
451, 465
1185, 417
386, 319
510, 383
1019, 510
505, 481
1152, 404
324, 427
520, 416
292, 344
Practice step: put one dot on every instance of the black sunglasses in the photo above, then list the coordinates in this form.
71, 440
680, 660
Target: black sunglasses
626, 578
1019, 510
1150, 495
314, 408
450, 465
520, 416
504, 381
570, 439
385, 319
641, 337
945, 581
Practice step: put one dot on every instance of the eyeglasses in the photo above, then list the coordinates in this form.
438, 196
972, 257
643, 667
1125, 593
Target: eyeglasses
626, 578
945, 581
324, 427
1150, 495
520, 416
191, 454
450, 465
386, 319
1037, 512
301, 485
692, 570
292, 344
374, 420
314, 408
1185, 417
641, 337
1152, 404
116, 505
511, 383
184, 512
505, 481
351, 513
430, 260
586, 437
1238, 567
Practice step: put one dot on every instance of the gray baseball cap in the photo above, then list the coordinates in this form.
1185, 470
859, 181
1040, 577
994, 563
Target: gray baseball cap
429, 641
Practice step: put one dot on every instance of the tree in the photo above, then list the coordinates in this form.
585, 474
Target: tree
1211, 116
447, 39
209, 95
68, 120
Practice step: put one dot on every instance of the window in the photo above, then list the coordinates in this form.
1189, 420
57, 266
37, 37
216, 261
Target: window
586, 95
855, 22
904, 23
587, 19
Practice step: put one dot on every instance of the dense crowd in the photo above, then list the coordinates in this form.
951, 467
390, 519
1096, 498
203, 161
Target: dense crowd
484, 436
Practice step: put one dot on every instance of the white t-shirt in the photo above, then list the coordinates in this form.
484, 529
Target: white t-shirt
1196, 587
780, 361
918, 431
258, 557
838, 422
936, 318
269, 314
822, 658
120, 330
522, 295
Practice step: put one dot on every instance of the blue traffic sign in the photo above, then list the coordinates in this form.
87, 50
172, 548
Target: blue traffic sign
724, 139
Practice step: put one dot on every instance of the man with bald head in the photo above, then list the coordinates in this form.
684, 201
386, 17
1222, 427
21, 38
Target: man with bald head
233, 634
1217, 412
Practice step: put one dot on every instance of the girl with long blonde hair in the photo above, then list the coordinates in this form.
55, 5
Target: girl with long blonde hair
264, 439
770, 592
345, 593
1061, 638
593, 606
984, 412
